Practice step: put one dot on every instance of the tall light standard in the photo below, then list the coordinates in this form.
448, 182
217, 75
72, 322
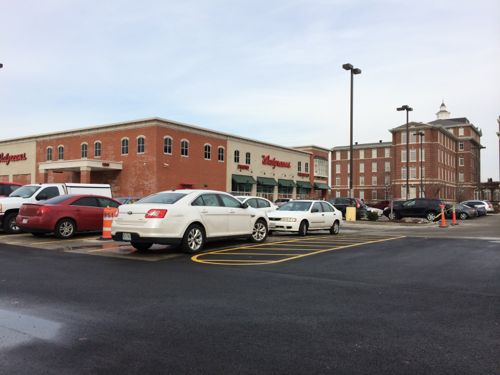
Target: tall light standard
407, 108
353, 71
421, 135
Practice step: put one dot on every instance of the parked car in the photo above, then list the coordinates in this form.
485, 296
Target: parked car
8, 187
302, 216
479, 203
64, 215
462, 211
380, 205
342, 203
281, 201
127, 200
418, 207
259, 203
188, 218
378, 211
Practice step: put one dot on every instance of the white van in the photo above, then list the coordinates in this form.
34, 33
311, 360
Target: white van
38, 193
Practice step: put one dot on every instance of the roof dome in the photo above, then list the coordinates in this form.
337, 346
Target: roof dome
443, 113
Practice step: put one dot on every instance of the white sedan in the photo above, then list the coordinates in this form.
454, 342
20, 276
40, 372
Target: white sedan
188, 218
258, 203
305, 215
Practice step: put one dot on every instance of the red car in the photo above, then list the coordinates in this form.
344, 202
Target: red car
8, 187
64, 215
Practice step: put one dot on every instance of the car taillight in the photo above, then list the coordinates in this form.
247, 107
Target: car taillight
156, 214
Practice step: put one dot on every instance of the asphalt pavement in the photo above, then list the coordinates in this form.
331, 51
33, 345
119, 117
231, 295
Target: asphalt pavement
412, 305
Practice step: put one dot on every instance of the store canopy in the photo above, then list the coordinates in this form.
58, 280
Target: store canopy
266, 181
241, 179
286, 183
304, 184
320, 186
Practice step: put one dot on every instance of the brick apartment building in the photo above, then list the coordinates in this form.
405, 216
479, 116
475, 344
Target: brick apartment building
443, 161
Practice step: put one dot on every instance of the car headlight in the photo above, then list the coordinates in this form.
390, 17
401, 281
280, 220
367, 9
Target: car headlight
289, 219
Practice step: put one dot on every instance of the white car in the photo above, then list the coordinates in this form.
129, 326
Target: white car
257, 202
378, 211
305, 215
187, 218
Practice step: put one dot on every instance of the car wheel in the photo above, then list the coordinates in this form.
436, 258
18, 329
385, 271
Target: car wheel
431, 216
392, 216
303, 228
259, 232
9, 225
194, 239
335, 229
65, 228
463, 216
141, 246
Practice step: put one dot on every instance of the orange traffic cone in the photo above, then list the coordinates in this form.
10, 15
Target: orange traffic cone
443, 218
107, 220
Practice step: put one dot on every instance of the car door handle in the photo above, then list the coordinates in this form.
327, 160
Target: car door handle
204, 211
232, 211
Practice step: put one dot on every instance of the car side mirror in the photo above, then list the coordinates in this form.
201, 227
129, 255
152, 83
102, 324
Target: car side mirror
244, 205
314, 210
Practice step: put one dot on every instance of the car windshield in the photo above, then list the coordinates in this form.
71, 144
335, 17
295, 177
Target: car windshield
165, 198
25, 191
58, 199
295, 206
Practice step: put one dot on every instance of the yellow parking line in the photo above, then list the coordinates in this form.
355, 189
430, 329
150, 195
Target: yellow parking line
297, 256
276, 255
55, 241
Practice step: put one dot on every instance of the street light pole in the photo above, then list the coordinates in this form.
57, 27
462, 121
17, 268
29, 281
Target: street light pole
353, 71
407, 108
421, 135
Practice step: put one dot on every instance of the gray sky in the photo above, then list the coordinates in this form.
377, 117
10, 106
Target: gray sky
269, 70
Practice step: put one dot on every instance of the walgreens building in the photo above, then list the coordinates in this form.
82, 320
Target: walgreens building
142, 157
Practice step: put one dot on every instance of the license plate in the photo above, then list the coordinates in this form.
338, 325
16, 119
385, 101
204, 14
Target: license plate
25, 221
126, 236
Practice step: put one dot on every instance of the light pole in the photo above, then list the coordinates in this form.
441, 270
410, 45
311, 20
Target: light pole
407, 108
353, 71
421, 135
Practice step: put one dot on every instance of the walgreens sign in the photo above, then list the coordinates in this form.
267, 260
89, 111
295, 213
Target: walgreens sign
7, 158
266, 160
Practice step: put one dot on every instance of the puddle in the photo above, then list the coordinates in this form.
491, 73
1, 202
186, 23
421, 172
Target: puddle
17, 328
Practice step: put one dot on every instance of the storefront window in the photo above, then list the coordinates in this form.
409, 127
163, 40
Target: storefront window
220, 154
125, 146
265, 191
97, 149
241, 189
303, 193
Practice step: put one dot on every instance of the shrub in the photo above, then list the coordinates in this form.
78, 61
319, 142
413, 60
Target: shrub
372, 216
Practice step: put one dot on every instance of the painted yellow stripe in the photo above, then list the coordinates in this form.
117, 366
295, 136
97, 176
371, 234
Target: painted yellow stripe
258, 254
195, 258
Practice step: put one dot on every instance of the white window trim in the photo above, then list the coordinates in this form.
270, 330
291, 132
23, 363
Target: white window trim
58, 152
187, 141
223, 154
171, 145
137, 144
51, 153
210, 151
121, 146
95, 142
81, 145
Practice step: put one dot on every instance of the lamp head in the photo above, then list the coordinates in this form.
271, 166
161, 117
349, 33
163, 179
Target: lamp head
356, 71
405, 108
347, 66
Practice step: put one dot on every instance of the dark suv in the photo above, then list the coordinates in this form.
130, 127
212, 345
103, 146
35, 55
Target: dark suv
341, 204
8, 187
418, 207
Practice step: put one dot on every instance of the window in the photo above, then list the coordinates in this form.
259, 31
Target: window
413, 155
207, 152
105, 202
207, 200
413, 172
337, 155
125, 146
374, 153
374, 195
320, 167
387, 180
374, 166
167, 145
228, 201
316, 207
247, 158
337, 194
263, 203
403, 155
49, 153
337, 181
337, 168
361, 154
361, 180
387, 166
460, 176
86, 202
460, 162
422, 173
413, 137
403, 137
460, 131
140, 145
184, 148
220, 154
374, 180
97, 149
361, 194
47, 193
84, 150
361, 167
387, 152
236, 156
460, 146
422, 155
299, 166
403, 173
306, 167
60, 152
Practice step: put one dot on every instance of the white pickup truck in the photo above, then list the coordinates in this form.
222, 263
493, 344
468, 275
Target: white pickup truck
36, 193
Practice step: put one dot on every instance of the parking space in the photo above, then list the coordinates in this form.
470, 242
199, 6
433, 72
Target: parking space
285, 249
